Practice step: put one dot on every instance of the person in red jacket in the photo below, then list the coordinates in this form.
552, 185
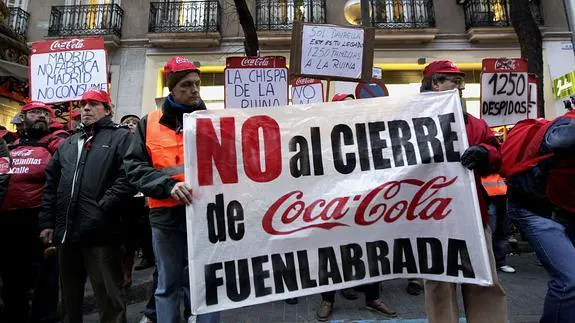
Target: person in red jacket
542, 205
19, 243
482, 304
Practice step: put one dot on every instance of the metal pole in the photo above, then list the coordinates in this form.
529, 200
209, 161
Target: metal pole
570, 12
365, 13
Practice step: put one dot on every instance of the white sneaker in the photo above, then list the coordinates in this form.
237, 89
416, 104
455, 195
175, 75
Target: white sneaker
507, 269
146, 320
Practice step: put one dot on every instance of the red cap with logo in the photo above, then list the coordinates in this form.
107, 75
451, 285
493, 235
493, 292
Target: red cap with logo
342, 96
94, 94
37, 105
178, 64
444, 67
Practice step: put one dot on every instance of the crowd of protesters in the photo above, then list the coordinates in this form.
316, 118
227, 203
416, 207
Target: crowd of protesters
79, 203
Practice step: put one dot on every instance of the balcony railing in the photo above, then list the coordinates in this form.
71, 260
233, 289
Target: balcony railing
18, 21
86, 20
280, 15
399, 14
494, 13
184, 17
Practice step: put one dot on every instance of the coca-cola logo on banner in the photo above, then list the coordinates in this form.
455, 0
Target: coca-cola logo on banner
67, 44
304, 81
256, 62
507, 64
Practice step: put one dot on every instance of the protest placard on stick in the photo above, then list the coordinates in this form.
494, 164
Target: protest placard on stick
251, 82
504, 91
332, 52
306, 90
63, 69
298, 201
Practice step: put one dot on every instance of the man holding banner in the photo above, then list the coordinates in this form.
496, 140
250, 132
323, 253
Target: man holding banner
482, 304
155, 166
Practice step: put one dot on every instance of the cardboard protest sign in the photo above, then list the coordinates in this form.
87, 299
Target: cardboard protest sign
299, 201
504, 91
332, 52
255, 82
62, 70
306, 91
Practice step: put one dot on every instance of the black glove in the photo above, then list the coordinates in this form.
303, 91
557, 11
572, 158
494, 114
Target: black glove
475, 158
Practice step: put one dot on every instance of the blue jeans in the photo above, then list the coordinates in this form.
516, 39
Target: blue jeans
500, 226
171, 250
554, 245
150, 310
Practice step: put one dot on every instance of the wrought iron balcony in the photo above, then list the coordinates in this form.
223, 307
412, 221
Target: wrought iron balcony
18, 21
494, 13
185, 16
280, 14
400, 14
86, 20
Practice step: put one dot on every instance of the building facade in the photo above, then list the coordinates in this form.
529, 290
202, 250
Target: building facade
141, 35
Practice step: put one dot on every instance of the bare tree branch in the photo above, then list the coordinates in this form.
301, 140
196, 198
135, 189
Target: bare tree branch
251, 43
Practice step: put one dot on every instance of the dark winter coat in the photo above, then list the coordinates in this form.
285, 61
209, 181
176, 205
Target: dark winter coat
83, 195
150, 181
4, 177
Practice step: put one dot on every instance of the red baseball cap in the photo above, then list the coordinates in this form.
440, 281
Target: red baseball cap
342, 96
37, 105
444, 67
94, 94
178, 64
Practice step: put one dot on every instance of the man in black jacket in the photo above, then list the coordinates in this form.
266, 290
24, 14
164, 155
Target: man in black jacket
155, 166
85, 183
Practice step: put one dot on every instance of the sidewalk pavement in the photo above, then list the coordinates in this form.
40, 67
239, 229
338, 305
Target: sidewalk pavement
526, 291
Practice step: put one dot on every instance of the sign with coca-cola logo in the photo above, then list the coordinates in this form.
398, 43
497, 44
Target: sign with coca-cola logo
504, 91
305, 90
298, 201
63, 69
252, 82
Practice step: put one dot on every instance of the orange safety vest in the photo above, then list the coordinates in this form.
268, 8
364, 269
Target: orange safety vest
166, 149
494, 185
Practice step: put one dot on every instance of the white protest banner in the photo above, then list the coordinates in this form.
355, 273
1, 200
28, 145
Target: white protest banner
306, 91
332, 52
504, 91
62, 70
255, 82
307, 199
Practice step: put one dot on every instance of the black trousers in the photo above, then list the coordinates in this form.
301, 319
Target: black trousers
20, 254
103, 265
371, 293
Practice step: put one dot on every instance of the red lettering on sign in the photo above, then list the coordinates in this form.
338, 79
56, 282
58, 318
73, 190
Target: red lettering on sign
222, 153
294, 214
251, 148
